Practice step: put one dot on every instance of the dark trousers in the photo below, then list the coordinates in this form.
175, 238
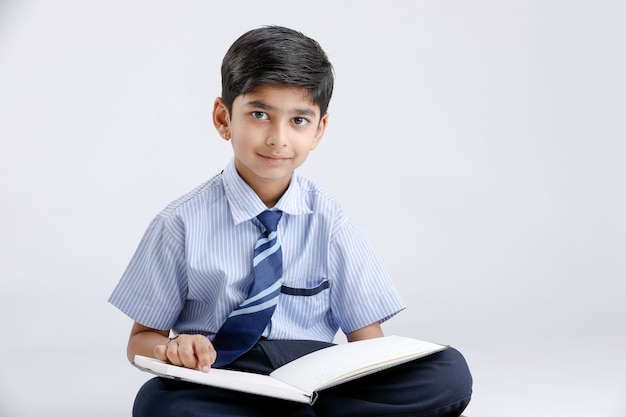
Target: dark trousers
434, 386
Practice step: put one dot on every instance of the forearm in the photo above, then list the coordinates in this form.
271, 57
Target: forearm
368, 332
143, 340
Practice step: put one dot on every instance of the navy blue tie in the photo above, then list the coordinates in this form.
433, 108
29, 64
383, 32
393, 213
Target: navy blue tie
246, 323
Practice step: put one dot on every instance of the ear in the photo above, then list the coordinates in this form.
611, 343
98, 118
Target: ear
221, 118
319, 133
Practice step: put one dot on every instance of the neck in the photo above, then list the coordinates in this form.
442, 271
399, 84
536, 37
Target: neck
268, 190
268, 197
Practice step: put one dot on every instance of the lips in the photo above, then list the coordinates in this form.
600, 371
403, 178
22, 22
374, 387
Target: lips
276, 157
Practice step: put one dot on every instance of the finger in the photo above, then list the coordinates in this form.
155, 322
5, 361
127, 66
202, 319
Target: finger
159, 352
206, 354
186, 352
172, 353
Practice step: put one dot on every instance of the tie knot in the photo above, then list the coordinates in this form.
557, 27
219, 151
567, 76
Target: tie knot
270, 219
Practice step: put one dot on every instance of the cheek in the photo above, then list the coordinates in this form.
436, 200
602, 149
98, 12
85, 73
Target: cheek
313, 141
314, 144
243, 136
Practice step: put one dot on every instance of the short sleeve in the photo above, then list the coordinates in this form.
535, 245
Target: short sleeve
153, 287
362, 290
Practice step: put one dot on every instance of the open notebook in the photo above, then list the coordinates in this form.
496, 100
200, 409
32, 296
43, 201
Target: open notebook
301, 379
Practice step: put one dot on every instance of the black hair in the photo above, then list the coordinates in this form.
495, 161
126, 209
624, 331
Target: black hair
275, 55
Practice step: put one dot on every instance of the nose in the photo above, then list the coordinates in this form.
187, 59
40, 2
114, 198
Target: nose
277, 135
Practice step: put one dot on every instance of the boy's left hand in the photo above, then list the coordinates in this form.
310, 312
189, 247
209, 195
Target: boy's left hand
193, 351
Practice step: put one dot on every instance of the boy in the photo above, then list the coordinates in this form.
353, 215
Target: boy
196, 271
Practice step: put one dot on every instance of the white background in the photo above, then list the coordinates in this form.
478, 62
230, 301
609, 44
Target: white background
481, 145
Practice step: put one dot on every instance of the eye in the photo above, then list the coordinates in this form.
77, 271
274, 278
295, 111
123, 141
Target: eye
259, 115
300, 121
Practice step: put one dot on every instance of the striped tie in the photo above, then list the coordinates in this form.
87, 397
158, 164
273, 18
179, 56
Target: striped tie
246, 323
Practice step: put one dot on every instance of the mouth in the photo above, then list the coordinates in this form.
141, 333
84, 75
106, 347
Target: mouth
274, 158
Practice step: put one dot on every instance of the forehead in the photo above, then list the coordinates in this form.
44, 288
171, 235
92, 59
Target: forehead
282, 98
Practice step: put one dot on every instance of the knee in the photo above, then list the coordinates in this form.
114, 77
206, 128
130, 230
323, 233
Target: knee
455, 374
153, 400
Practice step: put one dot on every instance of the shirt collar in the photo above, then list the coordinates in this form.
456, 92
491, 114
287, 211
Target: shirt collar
246, 205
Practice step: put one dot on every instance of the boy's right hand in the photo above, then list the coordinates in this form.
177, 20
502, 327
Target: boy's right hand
193, 351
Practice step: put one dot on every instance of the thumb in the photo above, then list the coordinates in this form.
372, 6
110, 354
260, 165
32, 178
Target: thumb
159, 352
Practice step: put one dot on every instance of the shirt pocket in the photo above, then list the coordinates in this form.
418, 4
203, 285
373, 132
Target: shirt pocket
308, 304
305, 292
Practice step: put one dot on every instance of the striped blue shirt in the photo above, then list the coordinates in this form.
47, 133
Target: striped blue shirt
193, 265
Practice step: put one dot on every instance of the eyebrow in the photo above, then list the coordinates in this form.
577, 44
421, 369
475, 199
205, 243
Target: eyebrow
264, 106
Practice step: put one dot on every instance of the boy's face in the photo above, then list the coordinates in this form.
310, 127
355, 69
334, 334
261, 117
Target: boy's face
272, 130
